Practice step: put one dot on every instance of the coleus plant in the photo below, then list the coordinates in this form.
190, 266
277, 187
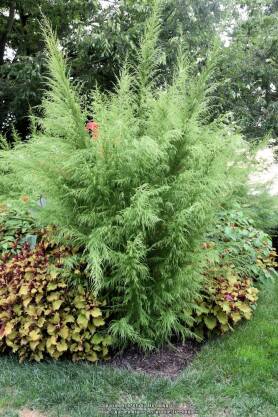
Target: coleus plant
227, 299
42, 315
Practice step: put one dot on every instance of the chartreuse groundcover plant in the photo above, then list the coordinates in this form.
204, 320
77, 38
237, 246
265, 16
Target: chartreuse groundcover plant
137, 201
41, 314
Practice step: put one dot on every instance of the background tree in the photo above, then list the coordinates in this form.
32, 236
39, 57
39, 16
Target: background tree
248, 71
97, 37
21, 51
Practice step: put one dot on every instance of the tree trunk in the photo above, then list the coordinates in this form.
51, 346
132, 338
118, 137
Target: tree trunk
5, 35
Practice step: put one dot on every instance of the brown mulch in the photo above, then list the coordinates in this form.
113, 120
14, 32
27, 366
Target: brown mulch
168, 361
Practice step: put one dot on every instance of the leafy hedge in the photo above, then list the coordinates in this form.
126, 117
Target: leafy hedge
238, 256
236, 241
16, 228
41, 315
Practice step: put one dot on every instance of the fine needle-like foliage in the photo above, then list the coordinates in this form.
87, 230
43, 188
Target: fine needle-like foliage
138, 199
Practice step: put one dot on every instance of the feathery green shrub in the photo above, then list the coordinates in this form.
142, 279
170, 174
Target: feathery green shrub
138, 200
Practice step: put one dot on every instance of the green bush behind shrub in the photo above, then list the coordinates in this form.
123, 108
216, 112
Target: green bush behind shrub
16, 228
237, 242
239, 259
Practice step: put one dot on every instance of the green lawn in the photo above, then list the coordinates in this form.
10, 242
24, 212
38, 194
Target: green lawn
236, 375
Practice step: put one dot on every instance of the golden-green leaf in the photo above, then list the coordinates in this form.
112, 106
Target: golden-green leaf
52, 286
210, 322
8, 328
57, 304
23, 290
222, 317
97, 338
35, 335
96, 312
64, 332
236, 316
82, 320
92, 357
62, 346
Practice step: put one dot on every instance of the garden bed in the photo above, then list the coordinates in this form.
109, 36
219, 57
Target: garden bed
169, 361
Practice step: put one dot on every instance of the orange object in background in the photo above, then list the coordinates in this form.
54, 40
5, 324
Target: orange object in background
93, 128
25, 198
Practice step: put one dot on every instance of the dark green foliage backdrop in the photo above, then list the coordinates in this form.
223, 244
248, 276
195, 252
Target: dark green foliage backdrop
97, 39
248, 71
98, 36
